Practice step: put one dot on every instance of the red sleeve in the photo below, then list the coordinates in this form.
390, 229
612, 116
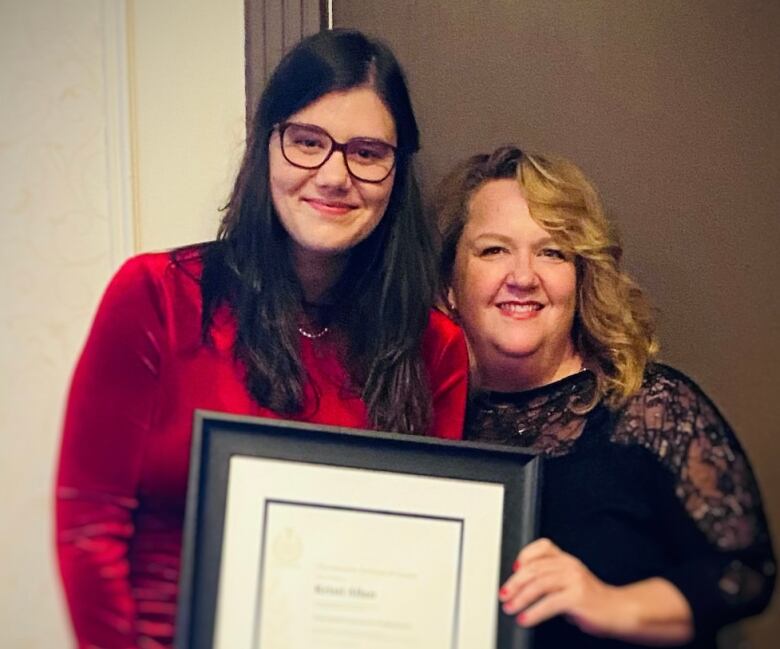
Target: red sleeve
444, 348
109, 411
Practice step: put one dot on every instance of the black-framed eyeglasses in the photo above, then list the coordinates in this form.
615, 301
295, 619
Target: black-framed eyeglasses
309, 147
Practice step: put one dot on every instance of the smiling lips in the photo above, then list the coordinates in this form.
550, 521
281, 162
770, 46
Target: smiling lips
329, 207
520, 310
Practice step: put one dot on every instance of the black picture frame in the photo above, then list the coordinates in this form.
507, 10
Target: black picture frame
218, 437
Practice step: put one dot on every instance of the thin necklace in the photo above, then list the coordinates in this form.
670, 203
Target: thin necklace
313, 335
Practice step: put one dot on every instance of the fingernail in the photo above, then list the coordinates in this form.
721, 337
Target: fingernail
502, 592
521, 618
516, 566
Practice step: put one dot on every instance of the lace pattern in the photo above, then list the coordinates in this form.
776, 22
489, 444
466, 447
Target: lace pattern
542, 420
674, 420
671, 418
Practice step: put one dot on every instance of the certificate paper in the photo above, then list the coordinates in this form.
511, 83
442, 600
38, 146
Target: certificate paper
373, 588
374, 560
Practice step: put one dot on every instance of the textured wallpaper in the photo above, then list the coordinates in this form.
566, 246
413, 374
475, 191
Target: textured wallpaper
59, 239
72, 209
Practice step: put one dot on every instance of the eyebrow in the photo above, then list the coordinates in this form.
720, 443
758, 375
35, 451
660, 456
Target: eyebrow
362, 138
495, 236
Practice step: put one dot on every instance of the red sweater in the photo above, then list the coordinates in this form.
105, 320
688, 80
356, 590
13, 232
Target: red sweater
125, 449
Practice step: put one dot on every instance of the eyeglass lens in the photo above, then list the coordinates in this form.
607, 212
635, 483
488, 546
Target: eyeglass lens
310, 146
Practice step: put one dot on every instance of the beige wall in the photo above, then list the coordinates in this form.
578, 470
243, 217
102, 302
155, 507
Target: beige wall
71, 209
189, 126
62, 227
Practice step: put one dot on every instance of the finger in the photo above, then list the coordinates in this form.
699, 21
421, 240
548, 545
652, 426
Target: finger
536, 549
530, 571
534, 568
541, 587
547, 607
531, 552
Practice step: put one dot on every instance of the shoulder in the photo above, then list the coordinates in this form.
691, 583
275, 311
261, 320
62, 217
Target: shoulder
673, 419
669, 414
154, 273
659, 376
153, 288
667, 388
441, 329
442, 336
184, 262
137, 280
444, 345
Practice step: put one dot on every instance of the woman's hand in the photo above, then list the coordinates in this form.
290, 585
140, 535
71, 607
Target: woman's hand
548, 582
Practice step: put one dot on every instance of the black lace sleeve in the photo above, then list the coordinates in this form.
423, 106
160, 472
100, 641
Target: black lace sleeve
724, 564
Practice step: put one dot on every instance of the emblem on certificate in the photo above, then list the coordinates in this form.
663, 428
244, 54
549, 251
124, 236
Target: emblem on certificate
300, 536
287, 547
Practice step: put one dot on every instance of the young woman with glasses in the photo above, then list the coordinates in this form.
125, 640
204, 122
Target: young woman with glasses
312, 304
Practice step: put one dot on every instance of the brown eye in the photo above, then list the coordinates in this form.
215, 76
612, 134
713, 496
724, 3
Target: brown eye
308, 142
491, 251
363, 151
305, 139
553, 253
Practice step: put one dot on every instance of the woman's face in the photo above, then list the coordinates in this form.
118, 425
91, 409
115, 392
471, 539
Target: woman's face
515, 291
326, 211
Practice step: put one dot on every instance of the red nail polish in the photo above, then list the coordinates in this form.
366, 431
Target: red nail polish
521, 618
516, 566
502, 592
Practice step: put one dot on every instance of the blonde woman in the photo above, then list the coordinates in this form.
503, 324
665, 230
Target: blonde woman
652, 526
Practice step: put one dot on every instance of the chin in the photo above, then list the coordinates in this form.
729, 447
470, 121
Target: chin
517, 351
326, 248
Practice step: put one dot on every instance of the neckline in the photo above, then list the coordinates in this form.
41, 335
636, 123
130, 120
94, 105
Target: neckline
566, 384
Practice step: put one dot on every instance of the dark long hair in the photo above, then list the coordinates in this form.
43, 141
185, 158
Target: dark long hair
382, 300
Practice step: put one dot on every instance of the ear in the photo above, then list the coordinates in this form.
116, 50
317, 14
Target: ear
452, 304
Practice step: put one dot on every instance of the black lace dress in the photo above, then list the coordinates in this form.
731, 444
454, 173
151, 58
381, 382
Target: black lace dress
659, 488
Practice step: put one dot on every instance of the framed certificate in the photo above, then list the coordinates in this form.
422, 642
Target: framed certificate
301, 536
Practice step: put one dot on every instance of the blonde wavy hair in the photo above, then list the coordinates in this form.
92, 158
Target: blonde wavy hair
614, 328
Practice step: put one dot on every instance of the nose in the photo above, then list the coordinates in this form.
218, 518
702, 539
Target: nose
334, 172
522, 274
